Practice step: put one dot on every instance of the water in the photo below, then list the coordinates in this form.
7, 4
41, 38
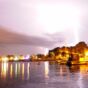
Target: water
42, 75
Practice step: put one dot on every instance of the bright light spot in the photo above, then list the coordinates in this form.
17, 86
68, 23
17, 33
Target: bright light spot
4, 59
21, 57
86, 53
81, 59
16, 58
27, 57
57, 18
86, 56
46, 51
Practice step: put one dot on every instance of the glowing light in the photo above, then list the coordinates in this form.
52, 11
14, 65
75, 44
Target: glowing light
11, 70
28, 70
81, 59
56, 18
46, 69
86, 56
21, 57
46, 51
16, 69
86, 53
27, 57
11, 58
4, 59
83, 70
22, 71
4, 70
16, 58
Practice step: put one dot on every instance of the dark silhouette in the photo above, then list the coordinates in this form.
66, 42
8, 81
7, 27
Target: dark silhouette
74, 68
69, 62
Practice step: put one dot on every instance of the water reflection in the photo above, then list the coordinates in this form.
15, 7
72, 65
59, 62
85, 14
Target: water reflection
82, 69
4, 69
14, 70
83, 75
80, 81
37, 72
11, 70
23, 71
74, 68
19, 68
46, 64
28, 69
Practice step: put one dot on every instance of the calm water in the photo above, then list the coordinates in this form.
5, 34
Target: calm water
42, 75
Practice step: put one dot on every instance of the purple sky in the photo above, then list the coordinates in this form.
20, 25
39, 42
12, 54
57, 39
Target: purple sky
43, 23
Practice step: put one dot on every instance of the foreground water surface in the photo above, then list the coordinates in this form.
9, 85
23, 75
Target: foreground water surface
42, 75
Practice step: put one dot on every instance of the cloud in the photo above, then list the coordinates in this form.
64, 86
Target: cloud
8, 37
67, 37
20, 16
15, 43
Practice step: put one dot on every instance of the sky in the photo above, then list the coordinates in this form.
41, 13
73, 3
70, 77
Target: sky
39, 25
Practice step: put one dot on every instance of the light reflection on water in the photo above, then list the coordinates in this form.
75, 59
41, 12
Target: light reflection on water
38, 72
11, 70
4, 69
14, 69
46, 64
22, 69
